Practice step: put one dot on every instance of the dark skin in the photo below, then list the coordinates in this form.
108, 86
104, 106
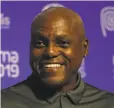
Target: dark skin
58, 45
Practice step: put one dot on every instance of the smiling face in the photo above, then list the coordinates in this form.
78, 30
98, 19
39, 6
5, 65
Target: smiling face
56, 48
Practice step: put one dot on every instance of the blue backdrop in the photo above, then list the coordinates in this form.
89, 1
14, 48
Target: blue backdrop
16, 17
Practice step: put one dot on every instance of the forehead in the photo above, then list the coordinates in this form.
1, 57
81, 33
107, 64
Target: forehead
55, 26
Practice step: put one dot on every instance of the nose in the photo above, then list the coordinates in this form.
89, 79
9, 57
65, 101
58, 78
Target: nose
52, 50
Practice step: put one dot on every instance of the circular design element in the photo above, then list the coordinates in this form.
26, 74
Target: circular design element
51, 5
82, 70
107, 20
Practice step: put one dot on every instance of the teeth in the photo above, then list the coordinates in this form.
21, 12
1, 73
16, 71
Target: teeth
52, 65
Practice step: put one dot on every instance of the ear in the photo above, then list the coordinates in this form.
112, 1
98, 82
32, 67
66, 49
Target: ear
85, 47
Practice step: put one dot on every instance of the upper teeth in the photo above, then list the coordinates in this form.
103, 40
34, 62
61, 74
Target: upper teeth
52, 65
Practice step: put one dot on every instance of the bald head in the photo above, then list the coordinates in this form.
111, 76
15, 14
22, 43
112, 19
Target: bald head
60, 15
57, 37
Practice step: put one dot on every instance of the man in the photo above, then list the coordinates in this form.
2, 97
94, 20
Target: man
58, 45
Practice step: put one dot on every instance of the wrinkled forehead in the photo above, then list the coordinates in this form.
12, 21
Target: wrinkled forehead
52, 22
58, 20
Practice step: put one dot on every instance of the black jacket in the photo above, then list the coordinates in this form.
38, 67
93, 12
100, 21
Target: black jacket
29, 94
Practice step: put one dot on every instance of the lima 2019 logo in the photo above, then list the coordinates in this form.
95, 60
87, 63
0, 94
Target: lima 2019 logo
9, 64
113, 65
5, 21
82, 69
107, 20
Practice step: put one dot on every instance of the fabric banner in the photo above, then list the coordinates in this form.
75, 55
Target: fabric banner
16, 18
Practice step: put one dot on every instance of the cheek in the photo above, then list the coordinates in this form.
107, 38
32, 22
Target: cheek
71, 53
36, 52
74, 56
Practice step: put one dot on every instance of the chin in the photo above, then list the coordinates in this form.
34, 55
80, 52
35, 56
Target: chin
53, 82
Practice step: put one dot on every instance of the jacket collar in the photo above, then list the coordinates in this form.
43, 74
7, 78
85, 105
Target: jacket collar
74, 95
49, 95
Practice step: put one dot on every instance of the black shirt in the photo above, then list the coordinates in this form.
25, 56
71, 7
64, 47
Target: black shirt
29, 94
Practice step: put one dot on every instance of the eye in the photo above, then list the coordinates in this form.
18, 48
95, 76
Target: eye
39, 44
63, 43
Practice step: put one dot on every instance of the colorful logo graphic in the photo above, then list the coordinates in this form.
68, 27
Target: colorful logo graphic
5, 21
9, 64
52, 5
82, 69
107, 20
113, 65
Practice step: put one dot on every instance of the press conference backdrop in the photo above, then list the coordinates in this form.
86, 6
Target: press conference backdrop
16, 17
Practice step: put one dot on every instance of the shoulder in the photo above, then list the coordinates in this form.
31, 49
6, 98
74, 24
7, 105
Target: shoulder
15, 90
95, 95
15, 96
90, 89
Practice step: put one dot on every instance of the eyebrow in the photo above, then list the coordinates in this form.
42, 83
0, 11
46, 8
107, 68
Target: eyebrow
39, 35
36, 36
66, 37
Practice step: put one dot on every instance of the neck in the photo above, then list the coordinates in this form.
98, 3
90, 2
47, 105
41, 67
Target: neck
70, 85
43, 91
67, 86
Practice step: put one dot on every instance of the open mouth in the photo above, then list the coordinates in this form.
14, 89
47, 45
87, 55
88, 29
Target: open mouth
52, 65
52, 70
